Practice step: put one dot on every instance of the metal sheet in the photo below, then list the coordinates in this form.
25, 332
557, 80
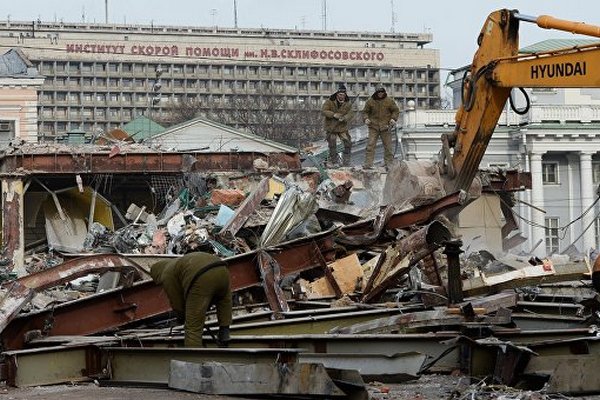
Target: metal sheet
119, 307
396, 368
131, 163
310, 324
152, 365
51, 365
431, 344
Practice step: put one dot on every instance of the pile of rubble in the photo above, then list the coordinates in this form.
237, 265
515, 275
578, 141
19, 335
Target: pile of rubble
324, 274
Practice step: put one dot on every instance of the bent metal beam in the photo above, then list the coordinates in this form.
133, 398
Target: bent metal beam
116, 308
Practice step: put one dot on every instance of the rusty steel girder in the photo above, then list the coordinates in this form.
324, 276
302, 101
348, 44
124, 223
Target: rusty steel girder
113, 309
138, 162
19, 292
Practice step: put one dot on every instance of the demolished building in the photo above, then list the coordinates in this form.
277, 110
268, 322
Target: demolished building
314, 262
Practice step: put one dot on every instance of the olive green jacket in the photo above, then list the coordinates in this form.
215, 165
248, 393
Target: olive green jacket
380, 112
332, 107
176, 276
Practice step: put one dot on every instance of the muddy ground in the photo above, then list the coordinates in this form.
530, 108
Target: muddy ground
428, 387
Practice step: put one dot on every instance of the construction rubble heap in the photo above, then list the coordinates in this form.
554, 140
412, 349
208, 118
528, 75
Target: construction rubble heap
339, 289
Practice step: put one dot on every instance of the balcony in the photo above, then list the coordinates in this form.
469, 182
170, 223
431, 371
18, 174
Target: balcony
538, 114
563, 113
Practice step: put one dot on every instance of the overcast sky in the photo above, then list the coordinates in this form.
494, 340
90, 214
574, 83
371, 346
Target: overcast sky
454, 24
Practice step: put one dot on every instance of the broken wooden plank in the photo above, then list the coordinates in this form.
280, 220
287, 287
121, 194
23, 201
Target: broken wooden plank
347, 273
529, 276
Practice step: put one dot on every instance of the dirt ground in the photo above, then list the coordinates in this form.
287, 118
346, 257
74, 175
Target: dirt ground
91, 391
427, 387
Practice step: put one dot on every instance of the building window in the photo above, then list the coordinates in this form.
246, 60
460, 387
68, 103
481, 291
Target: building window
552, 238
550, 173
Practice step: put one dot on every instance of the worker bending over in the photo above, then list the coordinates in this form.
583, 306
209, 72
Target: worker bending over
193, 282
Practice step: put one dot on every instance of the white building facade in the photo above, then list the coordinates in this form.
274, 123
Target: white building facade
558, 142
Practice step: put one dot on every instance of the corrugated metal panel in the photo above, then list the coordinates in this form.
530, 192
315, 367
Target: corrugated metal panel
555, 44
142, 128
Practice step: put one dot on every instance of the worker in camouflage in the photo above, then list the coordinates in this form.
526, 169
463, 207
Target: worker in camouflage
192, 283
380, 115
338, 113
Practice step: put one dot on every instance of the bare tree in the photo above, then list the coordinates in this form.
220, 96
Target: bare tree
265, 112
176, 113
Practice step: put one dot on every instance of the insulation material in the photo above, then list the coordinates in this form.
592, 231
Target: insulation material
68, 235
293, 208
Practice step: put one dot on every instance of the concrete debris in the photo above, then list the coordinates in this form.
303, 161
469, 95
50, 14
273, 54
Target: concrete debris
328, 261
280, 379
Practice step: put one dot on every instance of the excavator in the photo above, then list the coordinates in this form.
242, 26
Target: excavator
497, 68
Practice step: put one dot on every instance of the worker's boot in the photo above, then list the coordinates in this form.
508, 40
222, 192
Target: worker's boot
223, 336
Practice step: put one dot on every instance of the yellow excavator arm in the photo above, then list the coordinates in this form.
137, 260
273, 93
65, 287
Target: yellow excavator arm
496, 69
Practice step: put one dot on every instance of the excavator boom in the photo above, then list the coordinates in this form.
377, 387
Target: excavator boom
496, 69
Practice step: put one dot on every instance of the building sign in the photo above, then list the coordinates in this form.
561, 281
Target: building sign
228, 52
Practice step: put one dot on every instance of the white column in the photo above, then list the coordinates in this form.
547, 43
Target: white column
525, 211
587, 198
538, 233
573, 212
